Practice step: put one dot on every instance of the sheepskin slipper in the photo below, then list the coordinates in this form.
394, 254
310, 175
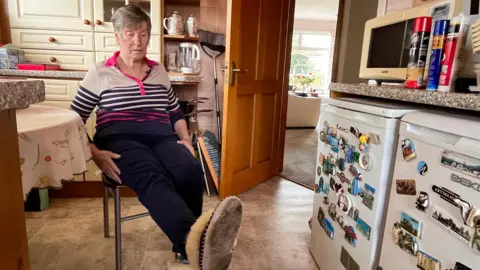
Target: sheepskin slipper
213, 237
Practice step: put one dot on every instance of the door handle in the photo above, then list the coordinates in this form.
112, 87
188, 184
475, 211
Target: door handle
234, 71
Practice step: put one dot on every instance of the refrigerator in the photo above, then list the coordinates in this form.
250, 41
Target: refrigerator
433, 218
356, 148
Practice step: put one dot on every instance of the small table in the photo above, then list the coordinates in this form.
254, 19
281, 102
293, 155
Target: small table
53, 146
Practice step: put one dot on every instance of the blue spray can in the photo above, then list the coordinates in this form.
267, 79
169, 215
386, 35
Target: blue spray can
439, 36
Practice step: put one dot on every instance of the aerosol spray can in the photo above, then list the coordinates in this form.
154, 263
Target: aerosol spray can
418, 52
439, 36
453, 53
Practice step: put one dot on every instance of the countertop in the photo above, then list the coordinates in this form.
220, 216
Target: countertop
174, 78
463, 101
17, 94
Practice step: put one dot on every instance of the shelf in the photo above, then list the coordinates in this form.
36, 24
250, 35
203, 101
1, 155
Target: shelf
183, 2
184, 79
181, 38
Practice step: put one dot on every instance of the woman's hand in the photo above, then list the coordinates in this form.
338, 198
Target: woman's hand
104, 161
187, 144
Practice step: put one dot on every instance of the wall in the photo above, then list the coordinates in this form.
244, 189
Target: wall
314, 25
349, 43
213, 17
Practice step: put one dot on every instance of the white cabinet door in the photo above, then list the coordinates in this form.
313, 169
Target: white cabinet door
104, 10
68, 60
51, 14
105, 42
59, 90
52, 40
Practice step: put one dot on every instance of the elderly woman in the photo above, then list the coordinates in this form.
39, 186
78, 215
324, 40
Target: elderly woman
142, 141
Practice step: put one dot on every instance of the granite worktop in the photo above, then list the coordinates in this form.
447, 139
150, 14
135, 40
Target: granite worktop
60, 74
17, 94
464, 101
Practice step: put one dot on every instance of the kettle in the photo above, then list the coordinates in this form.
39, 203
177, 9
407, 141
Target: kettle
189, 58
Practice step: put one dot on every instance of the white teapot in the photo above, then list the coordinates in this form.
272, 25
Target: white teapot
174, 24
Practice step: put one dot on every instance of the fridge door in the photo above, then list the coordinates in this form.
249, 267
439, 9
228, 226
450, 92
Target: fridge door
434, 196
335, 246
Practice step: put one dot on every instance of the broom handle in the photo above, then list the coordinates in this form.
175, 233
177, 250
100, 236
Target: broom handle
217, 102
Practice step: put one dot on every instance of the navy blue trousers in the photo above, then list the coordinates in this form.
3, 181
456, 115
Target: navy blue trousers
166, 177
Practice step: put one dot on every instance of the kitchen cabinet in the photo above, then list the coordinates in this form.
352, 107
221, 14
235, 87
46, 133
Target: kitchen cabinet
60, 90
104, 10
51, 14
68, 60
52, 40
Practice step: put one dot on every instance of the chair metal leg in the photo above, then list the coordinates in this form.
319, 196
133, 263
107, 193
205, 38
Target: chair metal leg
118, 230
203, 168
106, 228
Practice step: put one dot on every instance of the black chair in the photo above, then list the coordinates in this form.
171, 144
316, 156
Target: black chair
113, 187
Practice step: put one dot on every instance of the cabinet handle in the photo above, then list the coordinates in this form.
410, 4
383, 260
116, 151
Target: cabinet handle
53, 59
98, 22
51, 39
87, 22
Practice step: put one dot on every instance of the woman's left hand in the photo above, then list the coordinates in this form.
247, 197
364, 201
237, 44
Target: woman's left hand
187, 144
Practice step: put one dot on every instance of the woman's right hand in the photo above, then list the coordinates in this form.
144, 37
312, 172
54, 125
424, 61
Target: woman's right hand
104, 161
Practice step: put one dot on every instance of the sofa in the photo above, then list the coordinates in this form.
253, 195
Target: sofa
302, 112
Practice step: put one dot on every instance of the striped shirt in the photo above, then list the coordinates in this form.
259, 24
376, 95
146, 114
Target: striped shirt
126, 104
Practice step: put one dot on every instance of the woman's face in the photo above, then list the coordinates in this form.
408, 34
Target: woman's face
133, 42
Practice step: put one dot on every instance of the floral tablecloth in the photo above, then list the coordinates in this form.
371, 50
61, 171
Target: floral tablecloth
53, 146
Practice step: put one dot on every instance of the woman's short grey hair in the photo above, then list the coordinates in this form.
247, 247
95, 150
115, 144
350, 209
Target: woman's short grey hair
131, 16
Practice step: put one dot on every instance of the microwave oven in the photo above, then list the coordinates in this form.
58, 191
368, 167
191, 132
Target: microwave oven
386, 40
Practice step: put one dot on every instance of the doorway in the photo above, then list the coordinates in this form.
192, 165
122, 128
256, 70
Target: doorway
311, 65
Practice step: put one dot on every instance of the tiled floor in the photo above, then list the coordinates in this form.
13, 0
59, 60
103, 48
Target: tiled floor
300, 155
275, 234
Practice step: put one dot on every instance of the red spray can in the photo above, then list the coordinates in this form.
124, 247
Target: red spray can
419, 40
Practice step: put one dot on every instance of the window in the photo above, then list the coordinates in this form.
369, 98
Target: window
312, 53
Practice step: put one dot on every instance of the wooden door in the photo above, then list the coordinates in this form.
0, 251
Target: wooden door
51, 14
256, 60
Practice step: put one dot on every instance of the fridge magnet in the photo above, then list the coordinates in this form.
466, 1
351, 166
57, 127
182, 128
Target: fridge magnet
328, 168
460, 266
363, 143
329, 129
332, 183
374, 138
365, 161
356, 213
323, 187
345, 203
319, 170
332, 141
328, 227
350, 212
353, 170
332, 157
350, 235
355, 131
356, 156
470, 214
349, 153
323, 136
406, 187
341, 164
363, 228
446, 194
347, 260
422, 201
461, 163
342, 129
408, 150
368, 196
422, 168
320, 215
427, 262
353, 188
321, 159
410, 224
326, 201
343, 178
317, 190
339, 189
341, 221
396, 230
447, 222
332, 211
342, 142
360, 192
476, 240
406, 241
